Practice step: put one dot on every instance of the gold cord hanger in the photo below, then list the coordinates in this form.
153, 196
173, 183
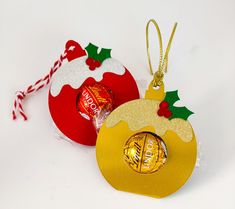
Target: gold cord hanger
163, 60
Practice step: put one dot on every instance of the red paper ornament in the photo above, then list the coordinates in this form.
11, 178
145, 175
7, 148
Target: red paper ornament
85, 70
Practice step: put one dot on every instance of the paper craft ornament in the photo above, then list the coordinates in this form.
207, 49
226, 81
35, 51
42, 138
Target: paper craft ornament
89, 68
83, 91
148, 146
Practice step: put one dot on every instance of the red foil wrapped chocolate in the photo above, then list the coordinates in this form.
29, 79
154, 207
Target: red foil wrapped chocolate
95, 102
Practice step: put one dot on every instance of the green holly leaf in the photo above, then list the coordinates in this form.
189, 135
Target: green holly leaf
177, 112
171, 97
104, 54
92, 52
180, 112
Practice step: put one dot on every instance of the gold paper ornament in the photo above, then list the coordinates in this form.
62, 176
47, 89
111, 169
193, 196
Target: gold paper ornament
148, 146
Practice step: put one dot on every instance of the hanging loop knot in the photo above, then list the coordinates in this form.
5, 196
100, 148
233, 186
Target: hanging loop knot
158, 76
20, 95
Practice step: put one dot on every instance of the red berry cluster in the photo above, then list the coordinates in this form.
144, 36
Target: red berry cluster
93, 64
164, 110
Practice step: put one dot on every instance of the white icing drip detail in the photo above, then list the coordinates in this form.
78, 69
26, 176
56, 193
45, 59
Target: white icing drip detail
76, 72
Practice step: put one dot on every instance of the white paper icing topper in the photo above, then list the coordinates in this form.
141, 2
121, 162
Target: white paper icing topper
76, 72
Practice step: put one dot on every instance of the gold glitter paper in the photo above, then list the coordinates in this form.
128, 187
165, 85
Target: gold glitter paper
143, 112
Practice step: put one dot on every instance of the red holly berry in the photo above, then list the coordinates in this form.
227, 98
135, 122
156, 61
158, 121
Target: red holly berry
164, 105
93, 64
167, 113
92, 67
160, 112
164, 110
89, 61
97, 63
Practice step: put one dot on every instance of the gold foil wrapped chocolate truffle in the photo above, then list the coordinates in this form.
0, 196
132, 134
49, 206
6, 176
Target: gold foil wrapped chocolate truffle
145, 152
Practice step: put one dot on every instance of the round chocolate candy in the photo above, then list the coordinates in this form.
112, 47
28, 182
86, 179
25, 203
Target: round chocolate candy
145, 152
94, 98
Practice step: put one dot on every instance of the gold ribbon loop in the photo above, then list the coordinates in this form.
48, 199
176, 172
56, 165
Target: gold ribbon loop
163, 60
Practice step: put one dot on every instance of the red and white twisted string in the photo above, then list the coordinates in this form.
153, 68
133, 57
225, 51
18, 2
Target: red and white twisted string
20, 95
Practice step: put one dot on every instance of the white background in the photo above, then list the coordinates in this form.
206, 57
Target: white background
38, 171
